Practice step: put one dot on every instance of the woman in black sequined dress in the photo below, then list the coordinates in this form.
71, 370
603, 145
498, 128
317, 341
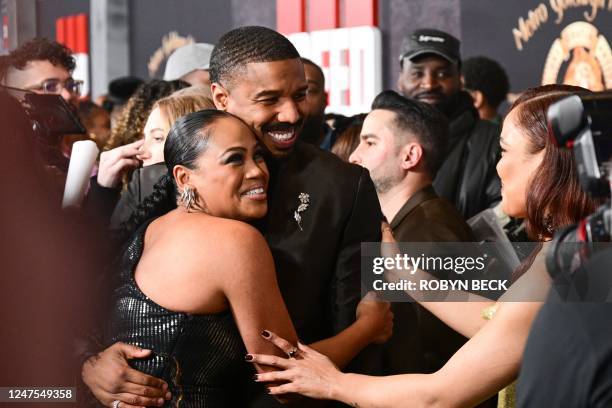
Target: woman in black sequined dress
197, 284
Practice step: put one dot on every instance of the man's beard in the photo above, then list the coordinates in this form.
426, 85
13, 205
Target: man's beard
384, 183
443, 104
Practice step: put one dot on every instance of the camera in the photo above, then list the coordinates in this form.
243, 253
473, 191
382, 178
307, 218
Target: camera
51, 118
583, 123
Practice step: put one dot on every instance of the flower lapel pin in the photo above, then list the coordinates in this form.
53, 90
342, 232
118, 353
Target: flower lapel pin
304, 201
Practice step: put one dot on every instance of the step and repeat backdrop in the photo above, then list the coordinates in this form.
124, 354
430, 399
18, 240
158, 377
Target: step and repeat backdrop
542, 42
357, 41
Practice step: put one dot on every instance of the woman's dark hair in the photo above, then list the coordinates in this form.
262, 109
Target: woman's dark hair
554, 197
187, 140
348, 136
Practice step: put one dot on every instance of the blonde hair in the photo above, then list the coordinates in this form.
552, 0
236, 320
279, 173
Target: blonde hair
182, 103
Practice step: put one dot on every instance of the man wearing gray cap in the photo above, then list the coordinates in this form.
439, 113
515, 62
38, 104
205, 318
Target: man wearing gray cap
190, 63
430, 64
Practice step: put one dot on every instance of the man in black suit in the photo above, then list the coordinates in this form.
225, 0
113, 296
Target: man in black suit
320, 211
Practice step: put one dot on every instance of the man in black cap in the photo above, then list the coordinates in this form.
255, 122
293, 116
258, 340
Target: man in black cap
430, 72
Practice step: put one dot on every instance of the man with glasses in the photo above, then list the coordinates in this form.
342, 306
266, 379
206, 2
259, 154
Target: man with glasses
42, 66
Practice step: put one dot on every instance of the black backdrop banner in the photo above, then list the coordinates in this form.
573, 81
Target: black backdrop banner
542, 41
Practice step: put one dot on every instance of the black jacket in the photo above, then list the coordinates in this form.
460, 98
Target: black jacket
140, 186
318, 259
467, 177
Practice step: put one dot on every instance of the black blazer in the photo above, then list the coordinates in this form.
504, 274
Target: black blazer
468, 177
318, 260
140, 186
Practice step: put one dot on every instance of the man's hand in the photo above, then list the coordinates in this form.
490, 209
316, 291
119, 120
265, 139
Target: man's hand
378, 315
110, 378
116, 162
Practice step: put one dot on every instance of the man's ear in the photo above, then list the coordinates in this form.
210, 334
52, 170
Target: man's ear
478, 99
219, 95
181, 176
411, 155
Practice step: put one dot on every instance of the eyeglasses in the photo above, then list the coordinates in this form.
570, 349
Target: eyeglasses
55, 86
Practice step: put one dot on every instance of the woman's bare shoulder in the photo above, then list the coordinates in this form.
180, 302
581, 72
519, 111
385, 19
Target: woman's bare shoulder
207, 255
203, 235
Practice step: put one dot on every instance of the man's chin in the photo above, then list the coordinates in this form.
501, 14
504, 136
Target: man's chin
280, 148
279, 153
438, 103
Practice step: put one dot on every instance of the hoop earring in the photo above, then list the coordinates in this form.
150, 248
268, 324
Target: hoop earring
188, 197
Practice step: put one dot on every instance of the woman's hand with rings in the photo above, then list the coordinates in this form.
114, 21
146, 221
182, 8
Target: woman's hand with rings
287, 348
308, 372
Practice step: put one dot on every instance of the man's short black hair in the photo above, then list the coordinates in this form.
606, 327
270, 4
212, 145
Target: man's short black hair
487, 76
38, 49
318, 68
244, 45
423, 121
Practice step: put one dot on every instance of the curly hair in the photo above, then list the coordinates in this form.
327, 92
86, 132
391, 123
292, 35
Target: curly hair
555, 198
131, 123
38, 49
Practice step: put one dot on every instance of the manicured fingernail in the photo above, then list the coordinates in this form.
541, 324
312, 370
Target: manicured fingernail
255, 377
160, 402
168, 395
164, 387
248, 357
265, 334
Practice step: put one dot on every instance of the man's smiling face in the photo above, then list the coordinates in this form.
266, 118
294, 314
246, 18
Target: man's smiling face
270, 97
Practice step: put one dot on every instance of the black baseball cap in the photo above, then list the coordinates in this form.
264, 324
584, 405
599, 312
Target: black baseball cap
430, 41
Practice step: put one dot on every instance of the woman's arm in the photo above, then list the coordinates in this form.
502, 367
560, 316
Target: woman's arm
247, 277
465, 316
256, 302
483, 366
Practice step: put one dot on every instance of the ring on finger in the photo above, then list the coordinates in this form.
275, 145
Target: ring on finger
293, 352
116, 403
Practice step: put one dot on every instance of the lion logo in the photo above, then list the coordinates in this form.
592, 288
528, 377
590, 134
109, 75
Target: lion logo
586, 56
